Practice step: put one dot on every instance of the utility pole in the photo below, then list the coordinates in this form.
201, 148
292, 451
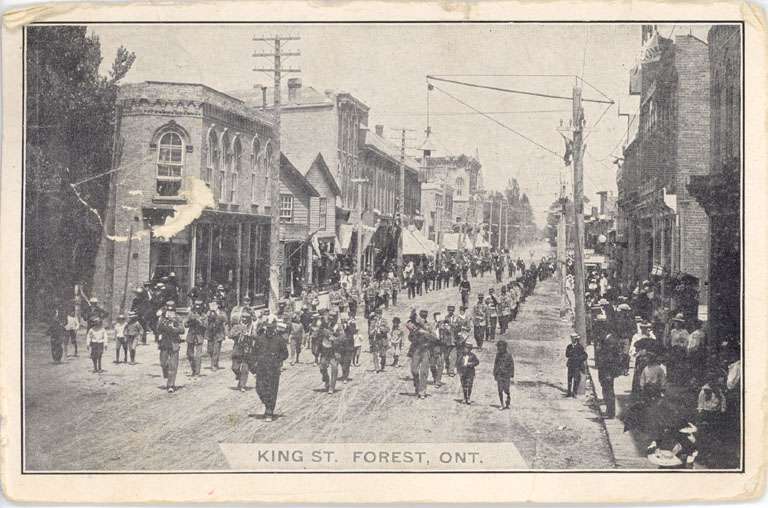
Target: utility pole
359, 275
401, 202
275, 261
561, 249
578, 211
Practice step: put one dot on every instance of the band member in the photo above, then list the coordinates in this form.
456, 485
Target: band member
197, 323
133, 334
296, 339
169, 328
242, 349
437, 355
347, 347
480, 320
396, 338
268, 355
332, 337
503, 372
421, 337
467, 363
378, 335
216, 331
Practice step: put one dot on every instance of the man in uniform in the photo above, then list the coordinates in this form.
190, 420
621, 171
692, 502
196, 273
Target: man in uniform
480, 321
196, 322
439, 348
465, 288
240, 333
386, 290
217, 332
333, 338
269, 354
505, 310
421, 338
378, 332
492, 303
451, 341
170, 327
143, 309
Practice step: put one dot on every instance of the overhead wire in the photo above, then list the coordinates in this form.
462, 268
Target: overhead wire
559, 156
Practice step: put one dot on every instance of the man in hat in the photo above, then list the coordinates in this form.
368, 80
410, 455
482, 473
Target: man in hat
378, 338
480, 320
269, 354
452, 330
92, 311
396, 338
503, 372
421, 338
437, 355
347, 349
133, 333
386, 290
492, 304
240, 333
170, 329
216, 329
575, 356
465, 288
239, 310
197, 325
332, 337
608, 360
505, 310
643, 344
678, 342
120, 344
143, 309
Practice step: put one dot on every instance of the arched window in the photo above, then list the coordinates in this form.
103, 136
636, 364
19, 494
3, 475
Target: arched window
256, 163
459, 186
170, 164
237, 155
226, 156
212, 157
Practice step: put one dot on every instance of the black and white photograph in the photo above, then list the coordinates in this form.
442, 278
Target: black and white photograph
384, 246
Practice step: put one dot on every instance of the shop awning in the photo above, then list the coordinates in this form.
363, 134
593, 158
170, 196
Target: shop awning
429, 247
451, 241
412, 246
348, 231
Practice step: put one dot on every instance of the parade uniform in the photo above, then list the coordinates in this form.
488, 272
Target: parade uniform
503, 372
505, 311
216, 333
296, 339
493, 317
169, 329
421, 344
386, 291
465, 288
133, 333
440, 349
268, 355
197, 325
241, 352
330, 355
480, 320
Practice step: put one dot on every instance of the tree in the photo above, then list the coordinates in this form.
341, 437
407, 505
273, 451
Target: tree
70, 112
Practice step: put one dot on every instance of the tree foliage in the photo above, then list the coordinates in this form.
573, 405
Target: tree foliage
70, 113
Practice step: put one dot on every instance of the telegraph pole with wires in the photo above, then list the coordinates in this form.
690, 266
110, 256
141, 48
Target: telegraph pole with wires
275, 261
401, 200
578, 210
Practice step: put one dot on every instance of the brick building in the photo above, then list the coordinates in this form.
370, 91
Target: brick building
664, 229
719, 191
175, 139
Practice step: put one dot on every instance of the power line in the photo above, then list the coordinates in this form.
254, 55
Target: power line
464, 113
598, 121
521, 92
559, 156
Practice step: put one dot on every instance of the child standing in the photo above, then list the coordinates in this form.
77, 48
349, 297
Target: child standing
503, 372
120, 339
396, 340
96, 343
133, 332
358, 341
467, 363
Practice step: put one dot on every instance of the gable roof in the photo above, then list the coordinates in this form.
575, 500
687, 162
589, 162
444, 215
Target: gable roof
289, 171
387, 150
320, 164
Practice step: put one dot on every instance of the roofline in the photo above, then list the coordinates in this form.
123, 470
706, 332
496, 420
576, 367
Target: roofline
376, 150
327, 172
291, 171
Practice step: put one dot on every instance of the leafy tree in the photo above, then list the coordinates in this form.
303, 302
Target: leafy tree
70, 113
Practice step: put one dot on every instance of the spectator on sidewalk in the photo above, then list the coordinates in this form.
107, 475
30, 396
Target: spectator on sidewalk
96, 342
576, 356
608, 356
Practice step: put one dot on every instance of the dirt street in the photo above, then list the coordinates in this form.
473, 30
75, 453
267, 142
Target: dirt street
123, 419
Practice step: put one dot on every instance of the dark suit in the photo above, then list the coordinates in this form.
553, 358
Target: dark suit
576, 356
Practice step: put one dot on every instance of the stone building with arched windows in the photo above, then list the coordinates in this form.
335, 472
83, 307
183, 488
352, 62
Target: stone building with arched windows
173, 140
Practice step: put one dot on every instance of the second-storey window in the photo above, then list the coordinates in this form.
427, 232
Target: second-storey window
323, 213
286, 208
170, 155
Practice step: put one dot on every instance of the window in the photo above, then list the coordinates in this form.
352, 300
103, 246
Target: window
227, 159
212, 157
256, 163
267, 170
169, 164
459, 186
323, 213
286, 208
237, 152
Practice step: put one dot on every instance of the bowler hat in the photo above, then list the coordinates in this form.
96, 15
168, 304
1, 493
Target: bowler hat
451, 308
679, 317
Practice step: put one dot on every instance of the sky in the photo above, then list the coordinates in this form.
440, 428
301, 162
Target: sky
385, 66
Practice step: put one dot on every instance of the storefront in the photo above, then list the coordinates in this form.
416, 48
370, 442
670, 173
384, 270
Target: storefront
230, 249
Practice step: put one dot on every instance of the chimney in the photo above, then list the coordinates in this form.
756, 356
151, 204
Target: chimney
329, 92
380, 130
264, 98
294, 85
594, 211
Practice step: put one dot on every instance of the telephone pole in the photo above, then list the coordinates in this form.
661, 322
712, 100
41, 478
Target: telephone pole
275, 261
561, 249
359, 276
401, 202
578, 211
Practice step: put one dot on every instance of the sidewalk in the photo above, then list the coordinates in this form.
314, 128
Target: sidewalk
628, 447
